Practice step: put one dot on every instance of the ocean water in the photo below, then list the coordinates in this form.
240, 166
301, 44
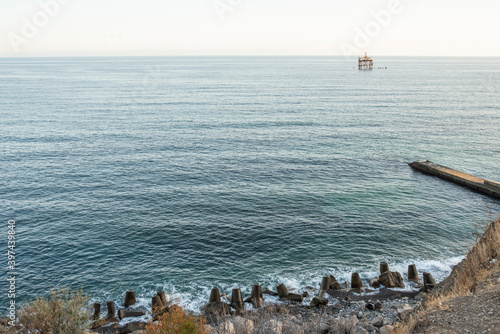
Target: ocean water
184, 173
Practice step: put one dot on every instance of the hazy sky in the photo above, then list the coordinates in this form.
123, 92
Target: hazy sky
269, 27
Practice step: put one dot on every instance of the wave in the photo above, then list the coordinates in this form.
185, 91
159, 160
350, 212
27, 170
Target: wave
194, 297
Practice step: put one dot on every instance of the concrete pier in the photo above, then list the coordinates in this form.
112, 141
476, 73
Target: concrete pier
487, 187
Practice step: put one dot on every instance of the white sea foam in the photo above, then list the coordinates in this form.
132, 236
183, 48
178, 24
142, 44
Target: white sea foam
194, 301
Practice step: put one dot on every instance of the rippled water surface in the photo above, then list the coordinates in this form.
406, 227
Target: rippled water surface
185, 173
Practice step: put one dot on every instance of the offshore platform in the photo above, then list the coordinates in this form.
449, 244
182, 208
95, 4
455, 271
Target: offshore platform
365, 63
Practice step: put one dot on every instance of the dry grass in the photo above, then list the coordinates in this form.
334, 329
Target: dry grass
177, 321
479, 263
61, 313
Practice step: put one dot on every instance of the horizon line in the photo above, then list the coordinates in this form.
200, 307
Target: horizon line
236, 55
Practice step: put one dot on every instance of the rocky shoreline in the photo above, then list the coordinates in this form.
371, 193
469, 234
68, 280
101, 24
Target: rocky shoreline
465, 301
330, 308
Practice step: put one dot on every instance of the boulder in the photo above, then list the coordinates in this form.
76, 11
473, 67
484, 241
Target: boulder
122, 314
356, 281
358, 330
209, 329
342, 325
365, 324
243, 325
429, 282
404, 310
226, 327
384, 267
270, 292
217, 308
413, 273
134, 327
378, 321
391, 279
272, 327
324, 328
375, 283
386, 330
387, 322
319, 302
293, 328
129, 298
421, 296
334, 285
379, 306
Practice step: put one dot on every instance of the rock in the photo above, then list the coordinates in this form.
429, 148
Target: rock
387, 322
342, 325
429, 282
421, 296
378, 321
356, 281
374, 283
404, 310
305, 294
334, 285
324, 328
386, 330
133, 327
226, 327
360, 315
413, 273
270, 292
293, 328
365, 323
357, 290
379, 306
391, 279
358, 330
129, 298
217, 308
243, 325
370, 306
129, 313
272, 327
319, 302
209, 329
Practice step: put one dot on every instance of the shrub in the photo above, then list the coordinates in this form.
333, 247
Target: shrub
176, 321
62, 312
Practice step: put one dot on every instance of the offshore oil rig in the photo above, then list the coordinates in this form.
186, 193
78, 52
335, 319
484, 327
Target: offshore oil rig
365, 63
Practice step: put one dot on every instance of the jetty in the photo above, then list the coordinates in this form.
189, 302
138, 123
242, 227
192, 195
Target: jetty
488, 187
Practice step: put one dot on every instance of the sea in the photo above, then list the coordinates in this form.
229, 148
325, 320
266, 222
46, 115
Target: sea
187, 173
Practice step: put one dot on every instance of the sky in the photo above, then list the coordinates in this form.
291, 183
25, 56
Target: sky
249, 27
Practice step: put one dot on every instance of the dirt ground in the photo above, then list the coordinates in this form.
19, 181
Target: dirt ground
477, 313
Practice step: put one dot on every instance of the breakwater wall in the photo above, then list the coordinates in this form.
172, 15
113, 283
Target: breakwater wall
488, 187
